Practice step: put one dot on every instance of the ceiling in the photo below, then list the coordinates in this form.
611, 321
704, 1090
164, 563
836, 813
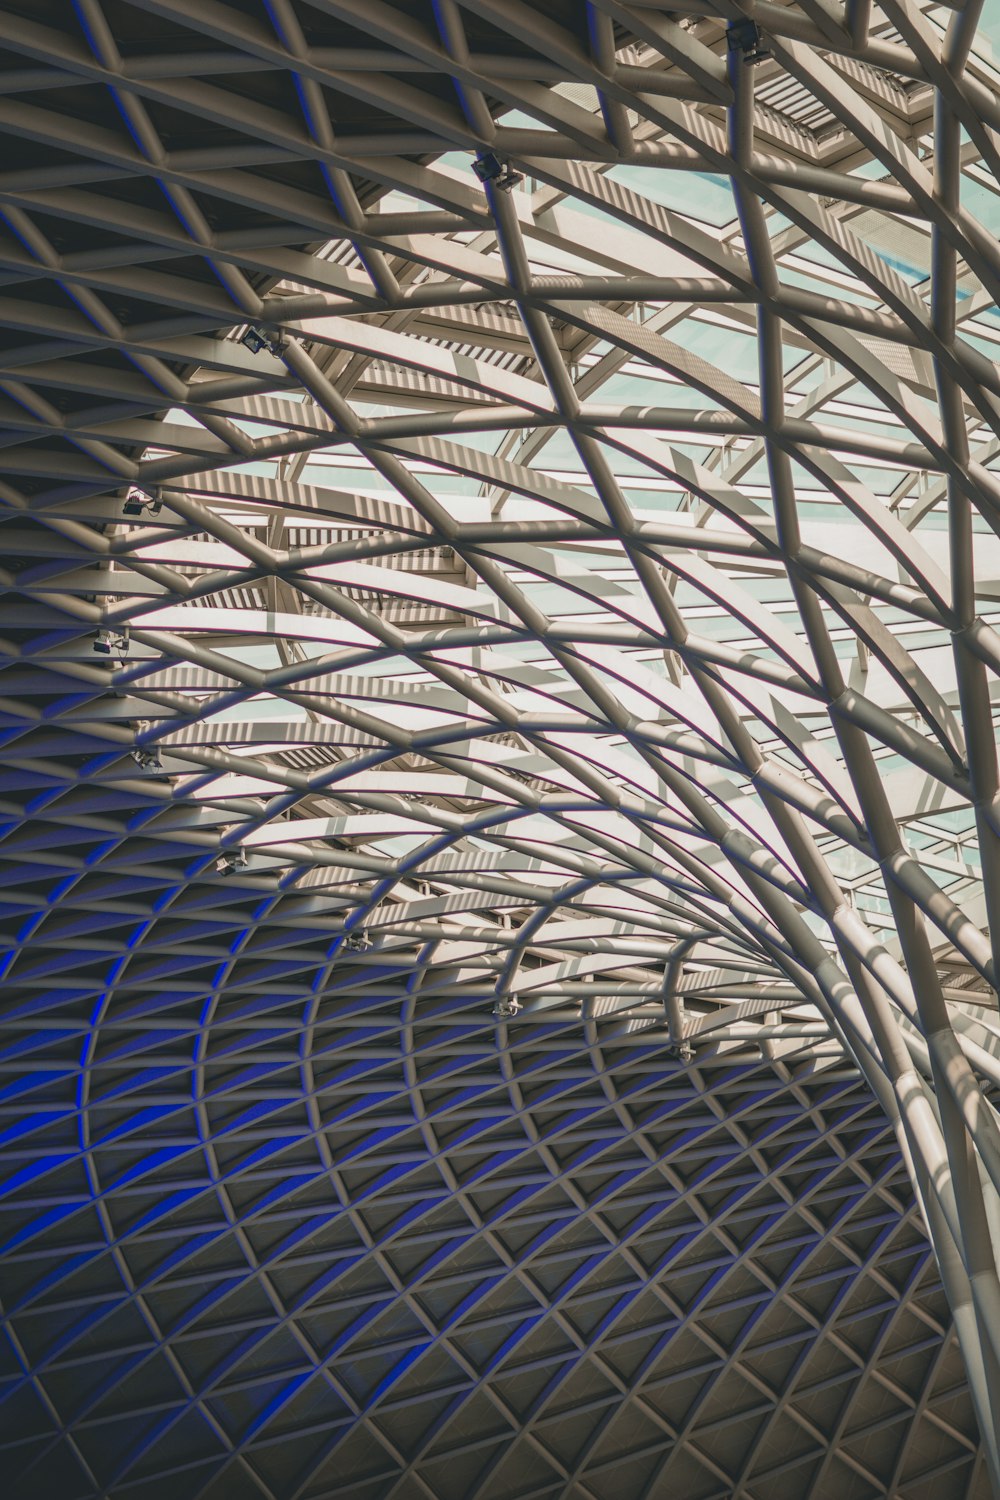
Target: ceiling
498, 779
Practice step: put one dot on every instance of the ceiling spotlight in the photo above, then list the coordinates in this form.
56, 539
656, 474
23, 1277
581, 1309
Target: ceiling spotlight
146, 760
254, 340
506, 1007
683, 1052
257, 340
356, 942
230, 860
107, 641
746, 36
489, 168
137, 500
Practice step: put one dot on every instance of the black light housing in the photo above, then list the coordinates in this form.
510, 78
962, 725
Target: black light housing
258, 339
107, 641
254, 340
230, 860
489, 168
146, 760
137, 500
746, 36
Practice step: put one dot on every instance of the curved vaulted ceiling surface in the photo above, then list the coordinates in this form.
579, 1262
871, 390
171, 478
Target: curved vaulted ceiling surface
499, 781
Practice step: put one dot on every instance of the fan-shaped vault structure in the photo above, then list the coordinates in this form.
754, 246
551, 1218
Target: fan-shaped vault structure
499, 816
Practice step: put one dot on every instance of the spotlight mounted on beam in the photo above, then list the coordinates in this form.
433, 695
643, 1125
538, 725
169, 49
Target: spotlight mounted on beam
146, 760
355, 942
108, 641
746, 36
489, 168
229, 861
137, 500
507, 1007
258, 339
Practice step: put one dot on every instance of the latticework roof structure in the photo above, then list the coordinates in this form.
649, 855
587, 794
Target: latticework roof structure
499, 791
